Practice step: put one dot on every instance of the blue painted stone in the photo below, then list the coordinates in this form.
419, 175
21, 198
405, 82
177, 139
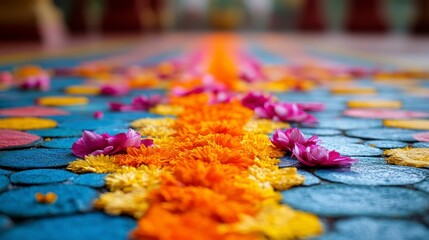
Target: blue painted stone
81, 226
353, 149
111, 131
289, 162
90, 124
130, 116
423, 186
4, 183
373, 175
5, 222
338, 140
310, 179
371, 160
421, 145
335, 200
348, 123
71, 199
90, 179
36, 158
384, 134
320, 131
57, 132
41, 176
62, 143
5, 172
364, 228
385, 144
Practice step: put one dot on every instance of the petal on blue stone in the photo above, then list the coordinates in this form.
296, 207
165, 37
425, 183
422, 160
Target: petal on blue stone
61, 143
384, 134
370, 228
386, 144
81, 226
35, 158
90, 179
310, 179
335, 200
423, 186
352, 149
57, 132
371, 160
373, 175
41, 176
71, 199
348, 123
4, 183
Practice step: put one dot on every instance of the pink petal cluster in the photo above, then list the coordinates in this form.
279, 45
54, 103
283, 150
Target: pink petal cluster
307, 151
140, 103
286, 139
38, 82
316, 155
209, 84
92, 143
114, 89
98, 115
312, 106
6, 78
255, 99
284, 112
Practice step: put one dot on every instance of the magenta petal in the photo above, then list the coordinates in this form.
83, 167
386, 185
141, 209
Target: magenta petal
147, 142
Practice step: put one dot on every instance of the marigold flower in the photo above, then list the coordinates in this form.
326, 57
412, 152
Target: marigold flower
148, 155
132, 203
96, 164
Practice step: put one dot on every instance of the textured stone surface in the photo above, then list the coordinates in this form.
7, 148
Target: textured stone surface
310, 179
384, 134
344, 200
352, 149
90, 179
65, 143
82, 226
423, 186
57, 132
35, 158
320, 131
17, 139
4, 183
71, 199
349, 123
41, 176
385, 144
373, 175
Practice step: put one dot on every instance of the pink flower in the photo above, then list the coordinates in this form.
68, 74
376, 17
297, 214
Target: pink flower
39, 82
312, 106
284, 112
98, 114
140, 103
209, 84
6, 78
286, 139
254, 99
92, 143
114, 89
315, 155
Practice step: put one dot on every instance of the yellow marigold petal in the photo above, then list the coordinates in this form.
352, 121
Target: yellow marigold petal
130, 203
279, 222
83, 90
130, 178
374, 104
420, 124
96, 164
264, 126
159, 127
280, 179
26, 123
62, 101
165, 109
413, 157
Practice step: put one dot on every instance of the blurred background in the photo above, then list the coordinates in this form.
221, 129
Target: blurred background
50, 21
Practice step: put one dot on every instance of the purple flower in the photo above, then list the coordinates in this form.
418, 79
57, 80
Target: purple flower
316, 155
39, 82
284, 112
140, 103
114, 89
286, 139
254, 99
92, 143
